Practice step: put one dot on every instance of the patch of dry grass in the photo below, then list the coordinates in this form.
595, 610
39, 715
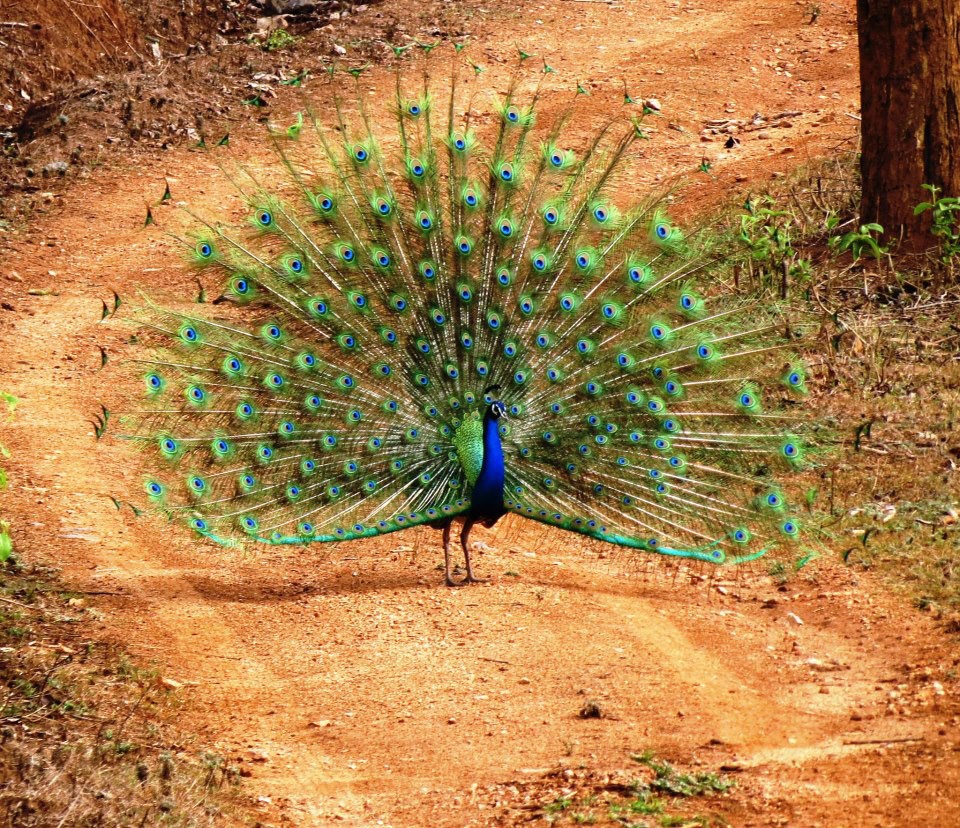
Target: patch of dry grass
885, 362
86, 736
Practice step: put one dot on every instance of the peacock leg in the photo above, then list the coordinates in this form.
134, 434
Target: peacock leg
447, 575
464, 535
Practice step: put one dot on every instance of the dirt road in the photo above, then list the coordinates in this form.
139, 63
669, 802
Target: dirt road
346, 682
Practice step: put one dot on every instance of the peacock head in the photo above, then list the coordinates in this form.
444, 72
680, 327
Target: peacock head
497, 409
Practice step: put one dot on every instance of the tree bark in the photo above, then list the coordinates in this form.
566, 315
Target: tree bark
910, 104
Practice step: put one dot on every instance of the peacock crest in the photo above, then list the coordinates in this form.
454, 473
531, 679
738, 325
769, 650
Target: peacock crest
439, 308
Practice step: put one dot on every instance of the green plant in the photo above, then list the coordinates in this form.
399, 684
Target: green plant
668, 780
857, 242
768, 235
279, 39
946, 221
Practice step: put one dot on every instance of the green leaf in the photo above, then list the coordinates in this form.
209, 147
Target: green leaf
6, 546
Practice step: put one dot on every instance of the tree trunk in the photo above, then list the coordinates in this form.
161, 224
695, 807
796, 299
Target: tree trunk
910, 103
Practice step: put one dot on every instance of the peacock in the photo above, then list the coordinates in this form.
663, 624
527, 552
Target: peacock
436, 310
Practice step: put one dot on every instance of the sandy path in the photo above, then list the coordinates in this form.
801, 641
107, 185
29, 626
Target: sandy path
347, 682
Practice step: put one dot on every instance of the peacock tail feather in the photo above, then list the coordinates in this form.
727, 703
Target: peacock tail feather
398, 265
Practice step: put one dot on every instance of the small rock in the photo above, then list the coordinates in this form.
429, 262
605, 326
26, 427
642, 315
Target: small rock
591, 710
293, 6
339, 49
795, 618
56, 168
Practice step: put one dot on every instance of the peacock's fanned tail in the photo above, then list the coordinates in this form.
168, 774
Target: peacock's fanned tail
396, 264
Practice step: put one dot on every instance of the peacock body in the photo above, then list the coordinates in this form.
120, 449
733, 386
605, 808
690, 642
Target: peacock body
417, 324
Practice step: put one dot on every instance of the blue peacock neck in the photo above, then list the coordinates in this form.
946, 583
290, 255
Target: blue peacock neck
486, 501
